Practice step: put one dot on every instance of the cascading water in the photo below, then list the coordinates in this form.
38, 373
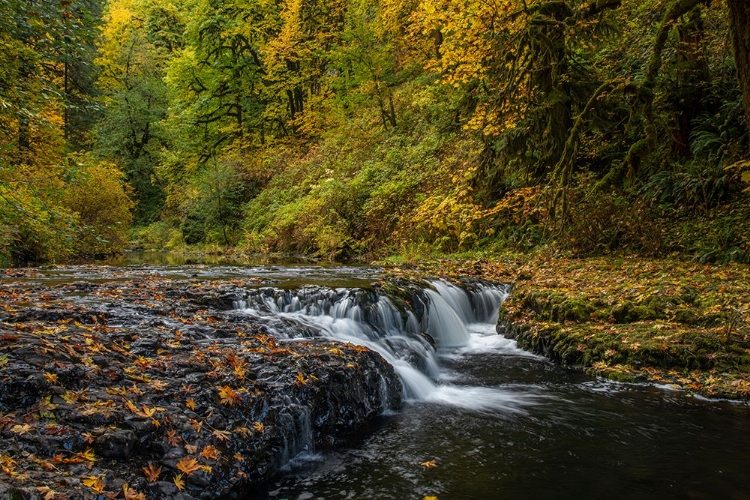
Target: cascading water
453, 318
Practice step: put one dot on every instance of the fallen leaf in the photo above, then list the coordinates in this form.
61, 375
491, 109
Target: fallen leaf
179, 482
188, 465
131, 494
152, 472
210, 452
95, 483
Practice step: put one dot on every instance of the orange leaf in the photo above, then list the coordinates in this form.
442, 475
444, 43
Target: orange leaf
152, 472
188, 465
210, 452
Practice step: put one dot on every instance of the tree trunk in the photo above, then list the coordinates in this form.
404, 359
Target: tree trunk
739, 21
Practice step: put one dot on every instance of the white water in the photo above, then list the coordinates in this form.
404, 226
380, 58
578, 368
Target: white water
461, 323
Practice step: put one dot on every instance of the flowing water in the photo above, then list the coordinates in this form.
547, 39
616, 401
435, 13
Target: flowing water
483, 419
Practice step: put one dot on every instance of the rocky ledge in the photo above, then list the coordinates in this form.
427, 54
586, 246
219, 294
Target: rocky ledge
139, 389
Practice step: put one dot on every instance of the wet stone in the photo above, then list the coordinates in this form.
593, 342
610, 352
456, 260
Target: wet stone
127, 380
118, 444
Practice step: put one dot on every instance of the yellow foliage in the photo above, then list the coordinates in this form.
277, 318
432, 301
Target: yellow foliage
99, 197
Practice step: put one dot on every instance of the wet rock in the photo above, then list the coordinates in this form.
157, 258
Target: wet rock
116, 444
136, 378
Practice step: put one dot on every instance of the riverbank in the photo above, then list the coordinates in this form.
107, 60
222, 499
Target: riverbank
677, 323
149, 387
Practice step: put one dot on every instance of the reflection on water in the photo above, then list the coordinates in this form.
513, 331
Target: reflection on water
159, 258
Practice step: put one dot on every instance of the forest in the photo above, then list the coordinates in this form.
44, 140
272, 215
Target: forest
359, 129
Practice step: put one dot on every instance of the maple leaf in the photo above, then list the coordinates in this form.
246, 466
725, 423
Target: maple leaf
190, 403
429, 464
50, 377
191, 448
300, 379
221, 435
21, 429
210, 452
179, 482
46, 492
95, 483
228, 396
188, 465
152, 472
131, 494
172, 438
259, 427
8, 465
158, 385
238, 457
87, 456
243, 431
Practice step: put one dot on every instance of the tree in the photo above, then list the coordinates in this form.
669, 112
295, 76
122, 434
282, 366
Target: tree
739, 19
135, 99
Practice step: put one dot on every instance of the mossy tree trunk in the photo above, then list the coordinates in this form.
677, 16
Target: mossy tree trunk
739, 20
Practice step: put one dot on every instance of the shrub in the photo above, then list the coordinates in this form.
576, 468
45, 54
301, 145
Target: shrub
99, 198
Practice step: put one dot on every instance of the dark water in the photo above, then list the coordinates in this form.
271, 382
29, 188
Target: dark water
579, 438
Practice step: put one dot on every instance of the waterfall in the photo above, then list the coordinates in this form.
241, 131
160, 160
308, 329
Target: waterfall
372, 319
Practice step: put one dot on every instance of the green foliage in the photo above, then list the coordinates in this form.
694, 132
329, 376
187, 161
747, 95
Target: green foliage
156, 236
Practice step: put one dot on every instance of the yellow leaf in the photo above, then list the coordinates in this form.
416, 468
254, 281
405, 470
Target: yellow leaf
94, 482
21, 429
429, 464
87, 455
259, 427
190, 403
228, 396
179, 482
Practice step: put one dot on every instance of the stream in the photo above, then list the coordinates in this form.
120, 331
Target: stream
482, 418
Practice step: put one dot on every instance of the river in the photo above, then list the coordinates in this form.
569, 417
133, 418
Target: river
483, 419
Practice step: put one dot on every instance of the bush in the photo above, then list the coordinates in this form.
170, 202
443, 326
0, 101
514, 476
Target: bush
599, 222
99, 198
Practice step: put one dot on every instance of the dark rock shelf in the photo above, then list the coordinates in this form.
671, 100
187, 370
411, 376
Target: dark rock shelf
140, 389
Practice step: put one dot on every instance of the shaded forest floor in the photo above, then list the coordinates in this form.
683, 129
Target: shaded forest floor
664, 321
